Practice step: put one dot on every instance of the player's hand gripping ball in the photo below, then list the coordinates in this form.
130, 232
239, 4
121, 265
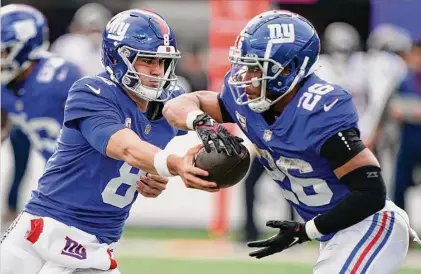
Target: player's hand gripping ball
223, 169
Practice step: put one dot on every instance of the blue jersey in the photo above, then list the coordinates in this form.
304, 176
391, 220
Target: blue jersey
81, 186
290, 148
38, 109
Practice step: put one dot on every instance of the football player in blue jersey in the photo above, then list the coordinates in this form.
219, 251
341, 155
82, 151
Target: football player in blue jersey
306, 134
110, 146
34, 89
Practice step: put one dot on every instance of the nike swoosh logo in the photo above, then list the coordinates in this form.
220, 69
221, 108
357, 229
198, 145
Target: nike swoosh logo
296, 239
328, 107
95, 90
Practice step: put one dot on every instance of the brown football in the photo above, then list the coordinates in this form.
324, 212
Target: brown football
224, 170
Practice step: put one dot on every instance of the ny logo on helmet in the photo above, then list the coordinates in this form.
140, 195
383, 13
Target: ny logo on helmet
282, 33
117, 28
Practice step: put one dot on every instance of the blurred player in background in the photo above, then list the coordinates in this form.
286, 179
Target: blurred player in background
82, 45
384, 71
344, 64
250, 230
34, 89
341, 45
405, 107
109, 147
306, 134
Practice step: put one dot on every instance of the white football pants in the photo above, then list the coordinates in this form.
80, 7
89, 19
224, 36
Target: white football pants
18, 256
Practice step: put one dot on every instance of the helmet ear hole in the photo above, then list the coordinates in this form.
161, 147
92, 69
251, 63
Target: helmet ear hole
290, 67
113, 61
287, 70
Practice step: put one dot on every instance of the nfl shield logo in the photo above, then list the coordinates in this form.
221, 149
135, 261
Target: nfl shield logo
242, 120
128, 123
148, 129
267, 135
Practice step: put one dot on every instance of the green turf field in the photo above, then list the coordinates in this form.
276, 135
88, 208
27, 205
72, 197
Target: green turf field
174, 251
133, 265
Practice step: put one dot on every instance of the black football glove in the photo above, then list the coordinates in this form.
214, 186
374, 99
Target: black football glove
290, 234
209, 130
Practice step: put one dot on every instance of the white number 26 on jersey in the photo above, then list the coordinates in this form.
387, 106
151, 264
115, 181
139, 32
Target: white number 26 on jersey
278, 171
310, 98
110, 196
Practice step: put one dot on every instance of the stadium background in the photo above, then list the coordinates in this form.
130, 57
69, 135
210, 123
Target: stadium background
187, 231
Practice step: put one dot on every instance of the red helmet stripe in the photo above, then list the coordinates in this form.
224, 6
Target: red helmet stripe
165, 29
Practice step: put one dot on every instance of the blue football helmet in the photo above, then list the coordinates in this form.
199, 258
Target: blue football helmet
24, 38
284, 46
140, 33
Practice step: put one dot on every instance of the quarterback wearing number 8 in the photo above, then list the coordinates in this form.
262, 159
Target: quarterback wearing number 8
306, 135
109, 150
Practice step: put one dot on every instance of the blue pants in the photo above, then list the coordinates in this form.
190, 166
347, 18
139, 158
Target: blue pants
21, 147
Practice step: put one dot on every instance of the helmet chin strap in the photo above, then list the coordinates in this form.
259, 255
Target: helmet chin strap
260, 105
263, 104
143, 92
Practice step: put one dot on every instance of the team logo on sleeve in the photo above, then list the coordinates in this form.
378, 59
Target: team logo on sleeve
19, 105
94, 90
128, 123
330, 106
148, 128
242, 120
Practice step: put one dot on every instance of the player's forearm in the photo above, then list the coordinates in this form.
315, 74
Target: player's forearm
177, 110
358, 169
367, 196
181, 111
125, 145
144, 156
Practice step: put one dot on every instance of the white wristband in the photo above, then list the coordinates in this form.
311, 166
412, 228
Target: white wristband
191, 116
160, 164
312, 231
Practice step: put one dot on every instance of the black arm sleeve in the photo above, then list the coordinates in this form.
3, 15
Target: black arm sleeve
342, 147
367, 189
368, 195
226, 117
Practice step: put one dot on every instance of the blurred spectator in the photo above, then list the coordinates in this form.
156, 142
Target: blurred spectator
371, 77
250, 232
385, 70
405, 107
191, 68
340, 44
344, 64
82, 45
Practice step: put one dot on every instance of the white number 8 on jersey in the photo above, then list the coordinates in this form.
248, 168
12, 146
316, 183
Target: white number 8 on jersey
110, 196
